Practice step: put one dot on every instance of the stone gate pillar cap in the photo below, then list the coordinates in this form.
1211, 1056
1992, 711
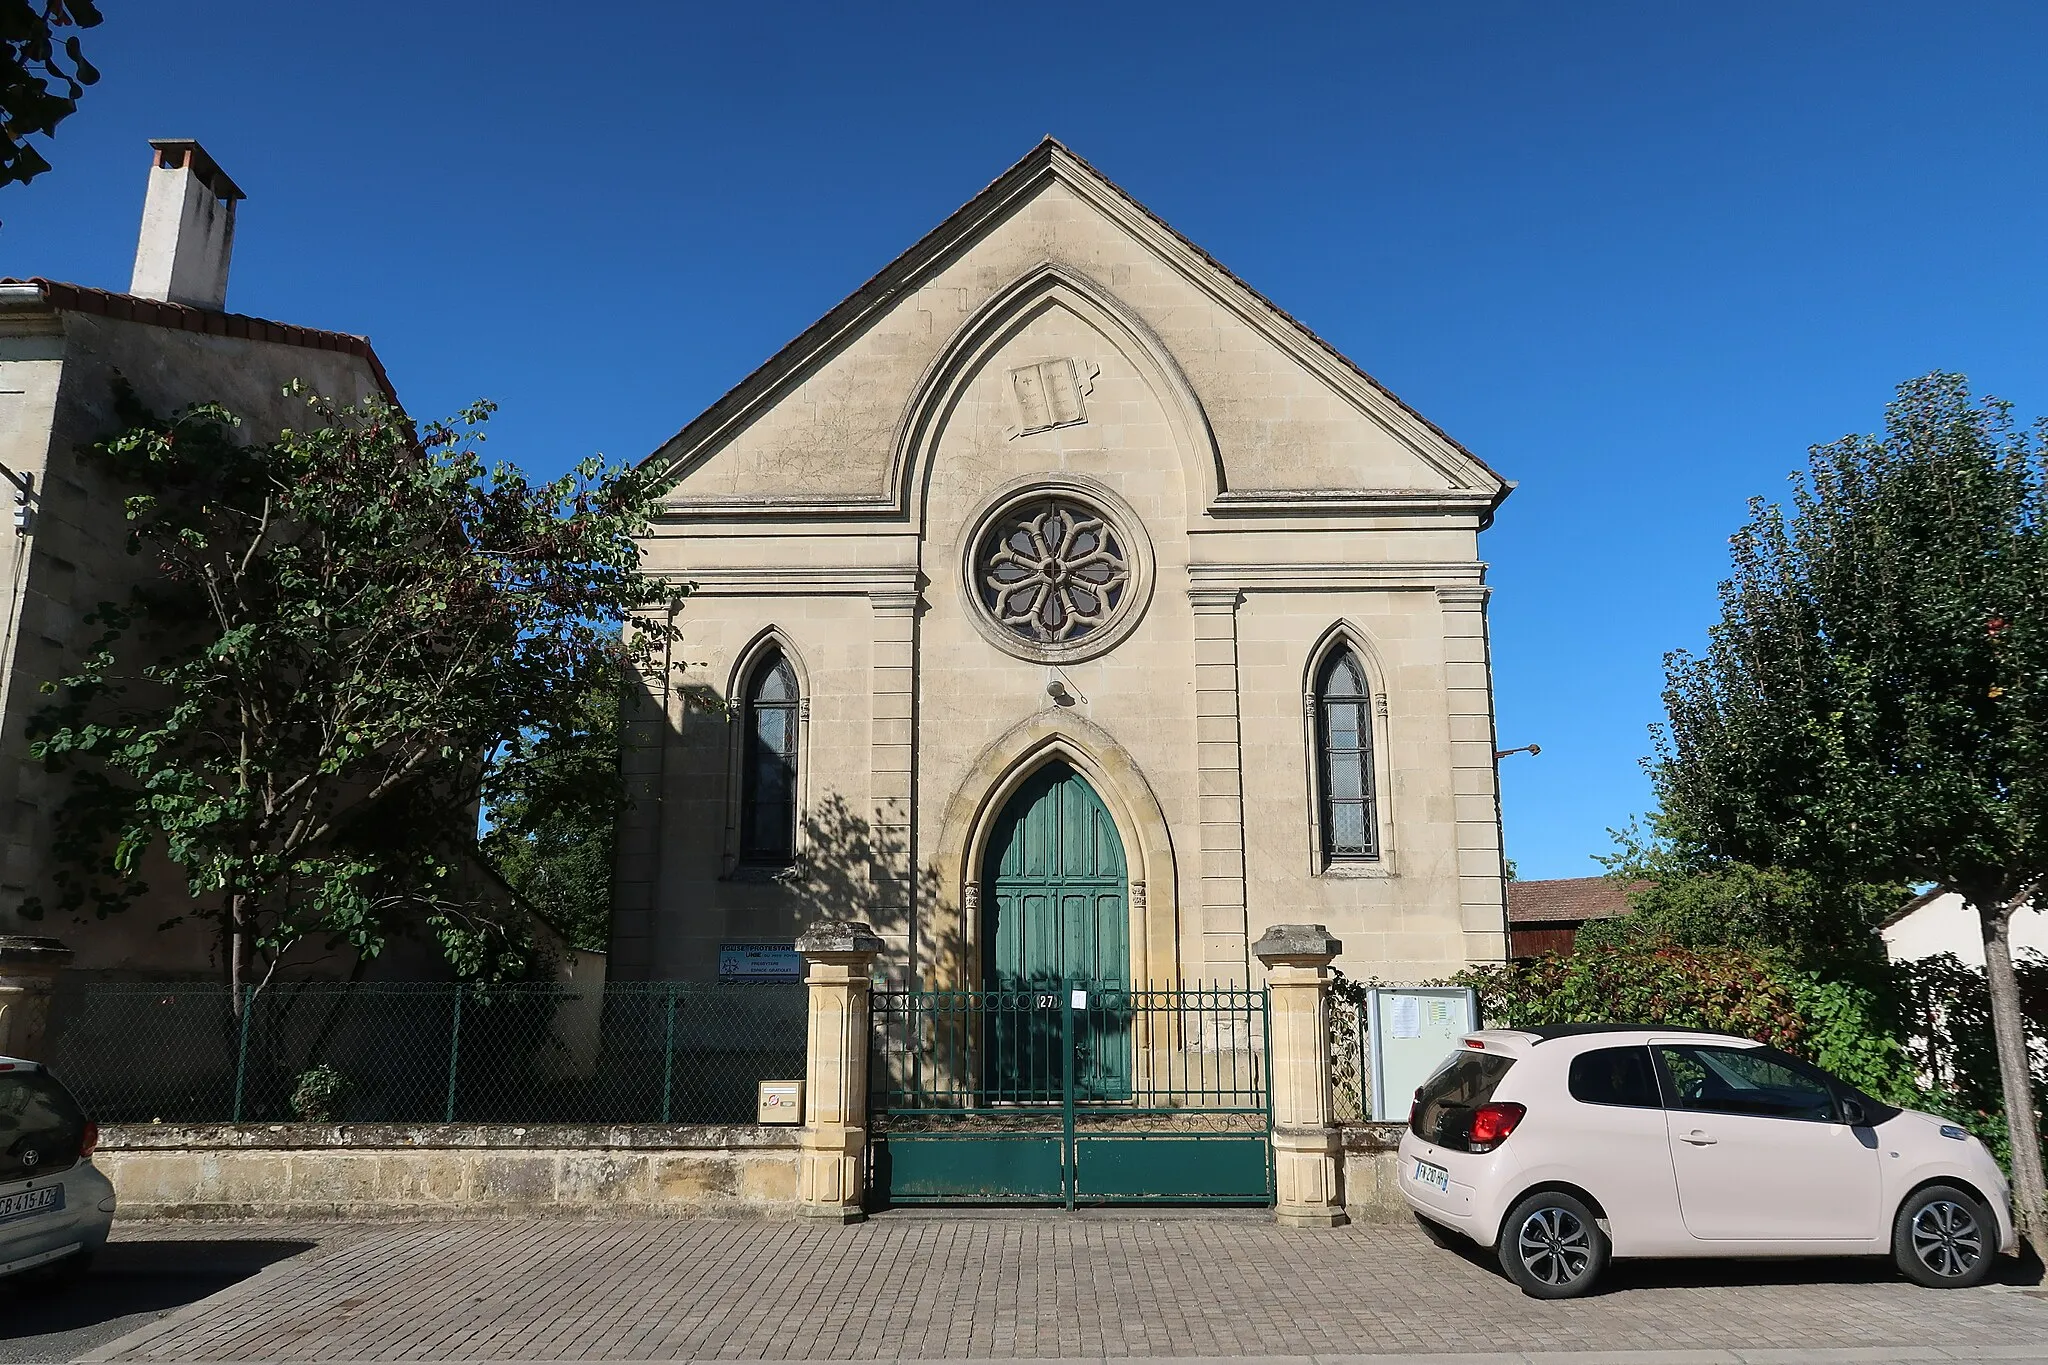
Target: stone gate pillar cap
1296, 943
30, 950
838, 937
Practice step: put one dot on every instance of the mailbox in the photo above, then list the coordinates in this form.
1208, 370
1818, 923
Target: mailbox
780, 1102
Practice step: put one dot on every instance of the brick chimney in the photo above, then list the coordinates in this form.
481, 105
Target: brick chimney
188, 227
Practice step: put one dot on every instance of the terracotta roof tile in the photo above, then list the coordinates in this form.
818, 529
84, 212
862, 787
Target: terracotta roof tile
1569, 900
79, 298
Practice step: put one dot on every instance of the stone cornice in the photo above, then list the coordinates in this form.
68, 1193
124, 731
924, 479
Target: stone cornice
1289, 502
1442, 577
805, 581
1208, 598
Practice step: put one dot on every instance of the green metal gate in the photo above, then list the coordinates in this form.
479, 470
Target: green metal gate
1070, 1094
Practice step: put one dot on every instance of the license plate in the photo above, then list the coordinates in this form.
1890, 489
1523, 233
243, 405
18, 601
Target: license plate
28, 1203
1433, 1175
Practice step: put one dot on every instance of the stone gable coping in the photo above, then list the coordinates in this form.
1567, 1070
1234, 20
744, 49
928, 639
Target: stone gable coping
1050, 159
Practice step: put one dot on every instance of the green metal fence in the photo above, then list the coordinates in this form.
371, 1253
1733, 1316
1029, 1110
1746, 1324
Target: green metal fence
1070, 1093
427, 1053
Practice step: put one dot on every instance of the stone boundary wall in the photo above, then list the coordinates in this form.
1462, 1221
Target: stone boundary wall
309, 1170
305, 1170
1372, 1172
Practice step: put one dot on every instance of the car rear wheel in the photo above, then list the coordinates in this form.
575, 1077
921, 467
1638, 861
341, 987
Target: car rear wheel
1552, 1246
1944, 1238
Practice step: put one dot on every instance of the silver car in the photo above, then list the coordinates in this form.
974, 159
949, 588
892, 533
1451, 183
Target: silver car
55, 1207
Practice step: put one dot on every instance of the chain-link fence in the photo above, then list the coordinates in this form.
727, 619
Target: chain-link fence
427, 1053
1350, 1076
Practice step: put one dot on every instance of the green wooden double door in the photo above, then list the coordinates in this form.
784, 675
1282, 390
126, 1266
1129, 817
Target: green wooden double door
1056, 922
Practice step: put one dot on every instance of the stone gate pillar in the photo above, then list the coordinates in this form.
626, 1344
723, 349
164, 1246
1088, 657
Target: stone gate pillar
1305, 1148
28, 978
839, 957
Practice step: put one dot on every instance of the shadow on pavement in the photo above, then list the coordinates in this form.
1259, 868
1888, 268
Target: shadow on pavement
1731, 1272
131, 1285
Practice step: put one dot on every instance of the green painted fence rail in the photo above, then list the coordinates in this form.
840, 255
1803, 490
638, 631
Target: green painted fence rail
1131, 1051
635, 1052
1070, 1093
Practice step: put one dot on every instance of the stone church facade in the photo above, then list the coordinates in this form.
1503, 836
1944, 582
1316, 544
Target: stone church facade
1063, 608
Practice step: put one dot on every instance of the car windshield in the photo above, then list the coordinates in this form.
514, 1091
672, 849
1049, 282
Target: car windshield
41, 1126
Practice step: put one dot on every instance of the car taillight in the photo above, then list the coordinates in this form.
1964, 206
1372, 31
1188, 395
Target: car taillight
1491, 1124
88, 1144
1414, 1112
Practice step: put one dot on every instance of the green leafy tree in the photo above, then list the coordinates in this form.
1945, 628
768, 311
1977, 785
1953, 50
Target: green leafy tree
1757, 993
1873, 704
355, 635
1686, 896
555, 819
42, 74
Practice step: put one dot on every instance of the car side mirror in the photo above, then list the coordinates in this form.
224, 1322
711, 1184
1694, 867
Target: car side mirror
1853, 1113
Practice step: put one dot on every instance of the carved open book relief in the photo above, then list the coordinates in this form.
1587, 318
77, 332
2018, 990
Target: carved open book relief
1050, 394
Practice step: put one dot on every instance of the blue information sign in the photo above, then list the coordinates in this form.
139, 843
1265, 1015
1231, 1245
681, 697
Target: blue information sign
759, 962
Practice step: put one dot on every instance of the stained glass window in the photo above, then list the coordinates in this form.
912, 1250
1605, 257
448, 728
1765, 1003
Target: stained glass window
768, 774
1344, 749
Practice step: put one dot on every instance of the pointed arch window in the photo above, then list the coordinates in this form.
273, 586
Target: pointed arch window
768, 764
1343, 714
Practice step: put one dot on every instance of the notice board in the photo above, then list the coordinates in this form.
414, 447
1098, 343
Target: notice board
759, 962
1409, 1032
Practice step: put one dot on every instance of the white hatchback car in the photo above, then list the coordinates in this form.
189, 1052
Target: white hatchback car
1561, 1147
55, 1207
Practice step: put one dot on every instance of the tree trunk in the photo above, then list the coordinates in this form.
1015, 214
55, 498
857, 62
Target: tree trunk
238, 948
2009, 1028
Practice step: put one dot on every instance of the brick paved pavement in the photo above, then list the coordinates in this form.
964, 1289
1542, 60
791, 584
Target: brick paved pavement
1040, 1286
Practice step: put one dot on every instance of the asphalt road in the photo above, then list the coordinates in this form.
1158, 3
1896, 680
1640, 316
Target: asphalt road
133, 1284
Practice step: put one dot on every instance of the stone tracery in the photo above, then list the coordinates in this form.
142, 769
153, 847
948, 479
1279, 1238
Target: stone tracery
1052, 571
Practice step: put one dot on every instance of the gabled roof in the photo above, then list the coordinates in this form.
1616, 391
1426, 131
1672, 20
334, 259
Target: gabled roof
1569, 900
1927, 897
1050, 158
79, 298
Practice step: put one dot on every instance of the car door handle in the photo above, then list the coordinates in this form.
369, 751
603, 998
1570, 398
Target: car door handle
1697, 1138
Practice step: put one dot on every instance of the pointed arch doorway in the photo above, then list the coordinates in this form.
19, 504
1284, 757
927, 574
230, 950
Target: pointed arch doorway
1055, 892
1056, 924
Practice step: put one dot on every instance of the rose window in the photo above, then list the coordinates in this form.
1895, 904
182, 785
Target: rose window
1052, 571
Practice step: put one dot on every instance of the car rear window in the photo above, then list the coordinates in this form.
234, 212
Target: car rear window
41, 1126
1444, 1103
1615, 1075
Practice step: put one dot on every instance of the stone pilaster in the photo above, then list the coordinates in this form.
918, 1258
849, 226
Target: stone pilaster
839, 958
1475, 776
28, 978
1306, 1154
1220, 785
892, 753
647, 726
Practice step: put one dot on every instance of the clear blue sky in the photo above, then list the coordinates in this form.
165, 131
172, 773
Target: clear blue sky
1637, 256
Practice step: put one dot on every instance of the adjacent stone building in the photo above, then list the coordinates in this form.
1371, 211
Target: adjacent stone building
1065, 609
62, 349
